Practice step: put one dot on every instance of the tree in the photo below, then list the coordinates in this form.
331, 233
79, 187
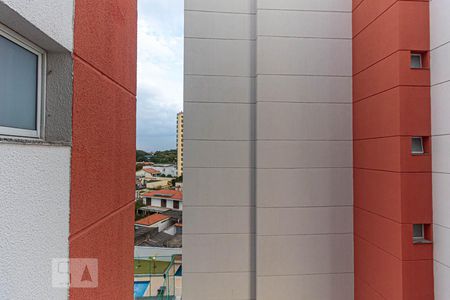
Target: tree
140, 155
179, 179
139, 204
164, 157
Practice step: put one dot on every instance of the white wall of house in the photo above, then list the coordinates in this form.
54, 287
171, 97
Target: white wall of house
440, 107
170, 204
168, 170
162, 225
154, 202
172, 230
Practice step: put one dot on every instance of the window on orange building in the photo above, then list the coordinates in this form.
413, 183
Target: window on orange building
416, 61
417, 146
418, 232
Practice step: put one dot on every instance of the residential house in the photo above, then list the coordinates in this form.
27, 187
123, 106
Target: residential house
166, 169
154, 221
146, 176
165, 199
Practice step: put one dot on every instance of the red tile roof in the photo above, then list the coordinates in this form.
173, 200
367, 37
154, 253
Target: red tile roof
151, 171
165, 194
153, 219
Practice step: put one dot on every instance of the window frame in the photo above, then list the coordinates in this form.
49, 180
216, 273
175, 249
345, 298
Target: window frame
422, 152
420, 55
41, 54
422, 237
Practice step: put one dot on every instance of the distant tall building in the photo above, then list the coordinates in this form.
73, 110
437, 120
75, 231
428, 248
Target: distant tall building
180, 143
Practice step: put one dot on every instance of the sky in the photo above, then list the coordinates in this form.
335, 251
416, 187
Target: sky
160, 73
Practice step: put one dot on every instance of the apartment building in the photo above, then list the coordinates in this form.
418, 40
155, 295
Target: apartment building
67, 110
318, 132
180, 145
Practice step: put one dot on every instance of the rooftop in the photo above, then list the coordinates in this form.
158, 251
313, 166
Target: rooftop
168, 194
151, 220
151, 171
163, 239
144, 231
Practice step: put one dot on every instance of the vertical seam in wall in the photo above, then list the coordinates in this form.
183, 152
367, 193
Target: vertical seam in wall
69, 242
254, 281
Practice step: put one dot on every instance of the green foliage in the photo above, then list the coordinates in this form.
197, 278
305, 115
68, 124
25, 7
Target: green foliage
140, 155
164, 157
178, 179
159, 157
139, 204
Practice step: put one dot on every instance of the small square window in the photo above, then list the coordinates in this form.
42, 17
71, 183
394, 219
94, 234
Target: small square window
416, 61
22, 67
417, 145
418, 232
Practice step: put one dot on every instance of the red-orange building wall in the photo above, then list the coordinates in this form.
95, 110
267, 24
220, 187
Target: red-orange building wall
103, 154
392, 187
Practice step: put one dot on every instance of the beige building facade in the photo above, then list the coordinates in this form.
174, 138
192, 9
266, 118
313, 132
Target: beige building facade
268, 161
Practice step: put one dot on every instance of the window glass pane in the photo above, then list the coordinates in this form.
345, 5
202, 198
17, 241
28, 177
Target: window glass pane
418, 231
18, 86
416, 61
417, 145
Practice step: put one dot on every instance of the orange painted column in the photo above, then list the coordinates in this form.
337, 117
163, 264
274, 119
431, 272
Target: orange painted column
103, 153
392, 187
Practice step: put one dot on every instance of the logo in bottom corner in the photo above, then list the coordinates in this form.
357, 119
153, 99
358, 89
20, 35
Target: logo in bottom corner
75, 273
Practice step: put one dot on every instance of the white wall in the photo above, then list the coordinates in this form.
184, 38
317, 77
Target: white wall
54, 18
168, 170
172, 230
267, 105
219, 106
34, 219
304, 133
156, 202
440, 105
169, 203
163, 225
